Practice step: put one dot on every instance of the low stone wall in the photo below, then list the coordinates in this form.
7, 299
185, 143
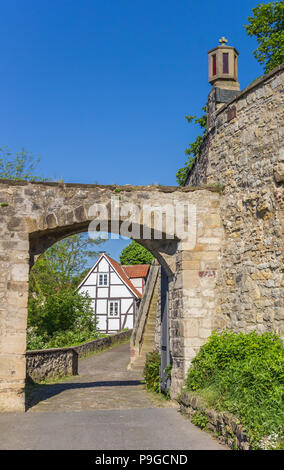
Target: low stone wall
101, 343
226, 426
46, 363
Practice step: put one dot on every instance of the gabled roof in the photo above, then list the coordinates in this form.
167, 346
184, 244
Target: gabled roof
119, 270
136, 270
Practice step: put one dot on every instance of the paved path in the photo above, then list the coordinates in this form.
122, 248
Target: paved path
104, 383
105, 407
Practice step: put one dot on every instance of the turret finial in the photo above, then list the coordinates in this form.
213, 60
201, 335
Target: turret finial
223, 41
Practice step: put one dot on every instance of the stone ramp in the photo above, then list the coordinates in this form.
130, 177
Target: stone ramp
103, 383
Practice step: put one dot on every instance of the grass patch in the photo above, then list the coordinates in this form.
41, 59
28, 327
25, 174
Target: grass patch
243, 374
49, 381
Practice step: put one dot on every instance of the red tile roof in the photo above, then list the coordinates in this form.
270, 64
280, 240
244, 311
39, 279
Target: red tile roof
120, 271
136, 270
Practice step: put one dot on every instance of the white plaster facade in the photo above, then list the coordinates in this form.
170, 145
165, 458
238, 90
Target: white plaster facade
114, 295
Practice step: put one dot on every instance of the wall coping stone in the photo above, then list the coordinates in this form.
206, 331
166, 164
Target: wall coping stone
126, 187
35, 352
126, 334
250, 87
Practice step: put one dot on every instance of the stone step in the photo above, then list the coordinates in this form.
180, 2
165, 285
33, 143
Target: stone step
139, 365
149, 347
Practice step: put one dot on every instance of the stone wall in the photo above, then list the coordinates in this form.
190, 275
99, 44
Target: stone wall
244, 151
102, 343
223, 424
46, 363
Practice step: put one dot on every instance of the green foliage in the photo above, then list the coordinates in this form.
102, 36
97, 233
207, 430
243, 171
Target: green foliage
152, 371
194, 147
243, 374
62, 265
199, 419
62, 319
57, 314
60, 311
267, 25
135, 254
18, 167
35, 340
71, 338
59, 339
168, 370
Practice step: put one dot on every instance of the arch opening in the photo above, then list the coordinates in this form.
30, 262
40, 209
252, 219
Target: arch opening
162, 248
39, 214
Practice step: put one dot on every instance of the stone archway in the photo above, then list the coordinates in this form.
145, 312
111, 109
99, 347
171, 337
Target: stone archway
36, 215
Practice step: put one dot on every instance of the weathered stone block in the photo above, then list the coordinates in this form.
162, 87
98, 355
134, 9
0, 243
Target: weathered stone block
20, 272
191, 327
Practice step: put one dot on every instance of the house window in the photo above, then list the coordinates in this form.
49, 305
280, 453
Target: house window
113, 309
103, 279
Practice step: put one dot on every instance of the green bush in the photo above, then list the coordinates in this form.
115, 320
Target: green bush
60, 320
152, 371
61, 311
70, 338
199, 419
243, 374
35, 340
60, 339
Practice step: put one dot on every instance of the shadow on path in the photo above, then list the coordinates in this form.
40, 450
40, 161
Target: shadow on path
40, 392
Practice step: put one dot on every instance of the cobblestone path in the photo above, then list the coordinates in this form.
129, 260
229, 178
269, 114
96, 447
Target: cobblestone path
103, 383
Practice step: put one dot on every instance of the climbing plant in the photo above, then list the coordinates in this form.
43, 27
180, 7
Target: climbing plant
194, 147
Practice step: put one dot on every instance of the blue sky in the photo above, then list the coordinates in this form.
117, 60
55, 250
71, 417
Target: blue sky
100, 88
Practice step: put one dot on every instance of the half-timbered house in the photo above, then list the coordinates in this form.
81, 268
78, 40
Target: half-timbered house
115, 291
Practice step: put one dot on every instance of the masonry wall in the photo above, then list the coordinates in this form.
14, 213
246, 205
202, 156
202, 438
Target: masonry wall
46, 363
36, 215
244, 151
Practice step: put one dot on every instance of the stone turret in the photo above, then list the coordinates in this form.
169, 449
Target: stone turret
223, 76
223, 66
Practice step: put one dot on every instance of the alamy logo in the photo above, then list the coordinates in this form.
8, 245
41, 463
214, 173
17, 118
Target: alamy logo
176, 220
